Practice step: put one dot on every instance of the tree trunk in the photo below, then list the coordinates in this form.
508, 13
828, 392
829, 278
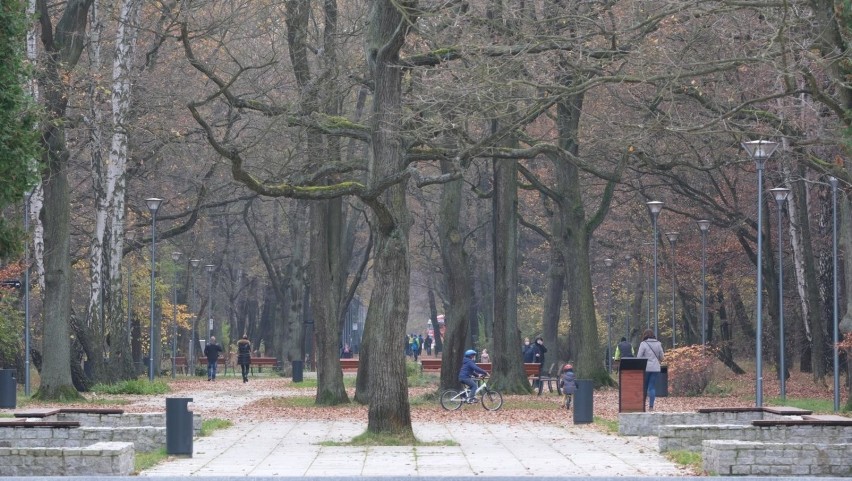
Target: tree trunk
459, 287
389, 410
328, 270
63, 48
507, 358
574, 239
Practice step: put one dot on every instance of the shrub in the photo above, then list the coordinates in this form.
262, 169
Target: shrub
133, 386
690, 369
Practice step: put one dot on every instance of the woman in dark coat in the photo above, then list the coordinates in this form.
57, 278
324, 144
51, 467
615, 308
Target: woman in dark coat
244, 356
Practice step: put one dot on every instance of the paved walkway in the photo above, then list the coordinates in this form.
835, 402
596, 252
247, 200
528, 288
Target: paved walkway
292, 448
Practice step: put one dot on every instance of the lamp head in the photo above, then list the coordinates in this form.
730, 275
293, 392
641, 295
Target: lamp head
209, 267
176, 255
760, 150
704, 225
654, 207
608, 262
672, 236
780, 194
833, 181
194, 262
153, 203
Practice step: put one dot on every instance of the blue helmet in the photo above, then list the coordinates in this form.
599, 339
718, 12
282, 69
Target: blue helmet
469, 352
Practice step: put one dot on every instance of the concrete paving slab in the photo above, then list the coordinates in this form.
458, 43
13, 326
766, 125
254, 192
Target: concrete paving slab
292, 448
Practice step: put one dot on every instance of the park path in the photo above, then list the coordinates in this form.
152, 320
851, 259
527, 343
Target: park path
265, 445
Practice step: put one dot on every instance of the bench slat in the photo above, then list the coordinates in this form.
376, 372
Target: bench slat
37, 413
21, 423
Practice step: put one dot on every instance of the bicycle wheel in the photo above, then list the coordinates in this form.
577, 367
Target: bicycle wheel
492, 400
451, 399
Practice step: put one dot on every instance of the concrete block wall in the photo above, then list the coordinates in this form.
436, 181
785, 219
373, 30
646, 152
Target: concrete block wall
145, 438
690, 438
121, 420
751, 458
647, 424
106, 459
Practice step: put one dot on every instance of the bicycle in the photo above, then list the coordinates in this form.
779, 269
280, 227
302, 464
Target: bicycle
491, 399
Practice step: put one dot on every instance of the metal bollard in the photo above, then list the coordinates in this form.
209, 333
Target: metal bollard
8, 389
584, 401
298, 367
178, 426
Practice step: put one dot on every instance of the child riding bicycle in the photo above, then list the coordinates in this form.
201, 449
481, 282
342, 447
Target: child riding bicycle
469, 372
568, 383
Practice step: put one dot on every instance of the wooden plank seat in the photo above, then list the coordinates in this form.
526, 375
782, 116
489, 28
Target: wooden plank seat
786, 411
91, 411
810, 420
729, 410
538, 378
262, 362
23, 423
349, 365
37, 413
430, 365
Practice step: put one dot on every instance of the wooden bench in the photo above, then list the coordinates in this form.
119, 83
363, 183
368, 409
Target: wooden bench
23, 423
262, 362
430, 365
180, 364
349, 365
538, 378
46, 412
807, 420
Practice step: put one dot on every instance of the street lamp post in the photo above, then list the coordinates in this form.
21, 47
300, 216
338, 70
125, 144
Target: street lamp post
608, 262
27, 195
704, 225
153, 204
627, 260
191, 358
209, 268
780, 197
672, 240
833, 182
654, 207
175, 258
759, 150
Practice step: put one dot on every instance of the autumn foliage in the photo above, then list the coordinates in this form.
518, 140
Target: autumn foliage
690, 369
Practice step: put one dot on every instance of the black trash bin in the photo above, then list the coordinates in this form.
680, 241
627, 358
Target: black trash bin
584, 401
8, 387
662, 384
298, 367
178, 426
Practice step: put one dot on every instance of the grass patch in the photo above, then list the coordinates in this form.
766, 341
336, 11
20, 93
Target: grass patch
687, 459
718, 390
210, 425
148, 460
609, 425
530, 403
373, 439
295, 401
132, 386
815, 405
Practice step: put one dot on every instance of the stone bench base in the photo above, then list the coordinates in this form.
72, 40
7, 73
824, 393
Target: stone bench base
750, 458
648, 424
690, 438
100, 459
144, 438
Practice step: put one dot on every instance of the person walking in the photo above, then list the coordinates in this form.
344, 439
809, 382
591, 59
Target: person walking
211, 352
652, 350
428, 344
528, 351
538, 358
244, 356
623, 349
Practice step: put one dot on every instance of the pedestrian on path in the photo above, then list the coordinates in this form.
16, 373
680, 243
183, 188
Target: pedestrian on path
244, 356
211, 351
651, 349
